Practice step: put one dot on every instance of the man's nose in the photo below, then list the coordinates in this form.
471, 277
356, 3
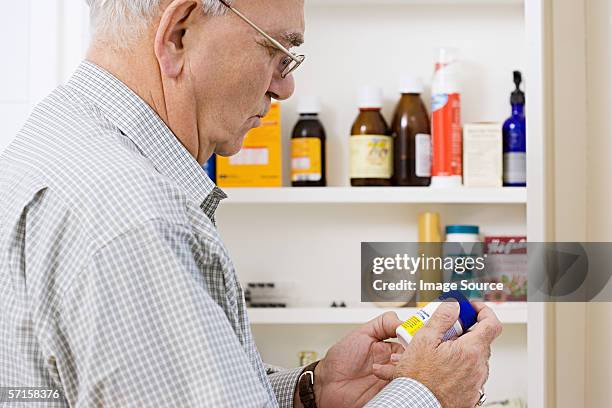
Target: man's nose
282, 88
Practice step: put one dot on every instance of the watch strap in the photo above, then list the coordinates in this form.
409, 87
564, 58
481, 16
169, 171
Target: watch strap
306, 386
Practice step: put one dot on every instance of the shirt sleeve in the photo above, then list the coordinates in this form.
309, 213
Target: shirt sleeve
404, 393
400, 393
284, 383
139, 328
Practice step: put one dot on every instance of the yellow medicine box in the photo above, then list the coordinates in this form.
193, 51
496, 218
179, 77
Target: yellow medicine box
259, 163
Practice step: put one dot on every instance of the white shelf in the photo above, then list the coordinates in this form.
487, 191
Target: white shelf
511, 313
375, 195
407, 2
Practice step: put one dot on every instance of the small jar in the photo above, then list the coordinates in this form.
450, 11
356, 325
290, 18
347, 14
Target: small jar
463, 241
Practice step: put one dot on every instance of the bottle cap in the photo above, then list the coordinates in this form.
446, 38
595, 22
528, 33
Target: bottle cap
467, 313
411, 85
518, 96
445, 181
309, 104
462, 229
370, 97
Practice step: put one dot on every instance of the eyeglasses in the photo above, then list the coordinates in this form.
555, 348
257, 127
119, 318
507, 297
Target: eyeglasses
289, 64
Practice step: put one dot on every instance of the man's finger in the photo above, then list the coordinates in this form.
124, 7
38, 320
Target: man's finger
482, 310
488, 327
397, 348
384, 371
383, 327
443, 319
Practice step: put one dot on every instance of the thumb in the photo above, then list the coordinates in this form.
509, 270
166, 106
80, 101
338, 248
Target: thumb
383, 327
443, 319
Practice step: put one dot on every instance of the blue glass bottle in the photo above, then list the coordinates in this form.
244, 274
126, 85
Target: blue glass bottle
515, 144
210, 167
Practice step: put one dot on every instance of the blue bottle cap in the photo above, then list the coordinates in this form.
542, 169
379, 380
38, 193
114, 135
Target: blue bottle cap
462, 229
467, 313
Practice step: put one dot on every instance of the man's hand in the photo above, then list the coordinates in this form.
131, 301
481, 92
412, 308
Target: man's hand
345, 377
454, 371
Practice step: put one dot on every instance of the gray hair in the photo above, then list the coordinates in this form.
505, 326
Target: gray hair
121, 21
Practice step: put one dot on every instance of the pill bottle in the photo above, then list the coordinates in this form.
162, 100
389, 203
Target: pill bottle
467, 318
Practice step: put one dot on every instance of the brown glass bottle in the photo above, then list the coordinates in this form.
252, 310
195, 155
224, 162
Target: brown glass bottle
371, 124
411, 129
308, 166
370, 144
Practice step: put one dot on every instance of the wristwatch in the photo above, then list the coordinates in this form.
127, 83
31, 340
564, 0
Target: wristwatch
306, 386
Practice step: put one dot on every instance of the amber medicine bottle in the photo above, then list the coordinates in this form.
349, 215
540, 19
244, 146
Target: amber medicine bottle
370, 143
308, 165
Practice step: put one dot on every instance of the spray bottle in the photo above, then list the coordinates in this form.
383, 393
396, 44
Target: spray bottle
515, 148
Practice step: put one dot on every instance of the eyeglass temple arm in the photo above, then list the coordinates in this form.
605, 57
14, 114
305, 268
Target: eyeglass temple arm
262, 32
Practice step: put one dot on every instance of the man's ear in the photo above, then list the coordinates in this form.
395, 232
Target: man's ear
173, 25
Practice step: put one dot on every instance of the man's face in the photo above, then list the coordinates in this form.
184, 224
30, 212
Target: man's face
234, 71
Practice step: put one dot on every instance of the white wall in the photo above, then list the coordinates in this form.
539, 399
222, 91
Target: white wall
14, 97
47, 41
74, 35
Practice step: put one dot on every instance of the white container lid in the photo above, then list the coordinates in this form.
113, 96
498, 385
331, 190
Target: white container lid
370, 97
309, 104
411, 85
446, 181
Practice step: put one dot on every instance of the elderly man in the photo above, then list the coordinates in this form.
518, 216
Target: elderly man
115, 288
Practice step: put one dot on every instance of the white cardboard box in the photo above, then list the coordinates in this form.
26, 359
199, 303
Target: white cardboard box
482, 155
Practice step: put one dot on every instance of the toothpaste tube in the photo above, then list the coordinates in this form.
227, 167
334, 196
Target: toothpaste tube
447, 165
467, 318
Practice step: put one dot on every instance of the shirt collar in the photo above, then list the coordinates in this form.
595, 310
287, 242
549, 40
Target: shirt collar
143, 126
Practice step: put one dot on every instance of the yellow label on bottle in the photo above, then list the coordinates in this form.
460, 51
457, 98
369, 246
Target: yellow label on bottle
306, 159
412, 325
371, 156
